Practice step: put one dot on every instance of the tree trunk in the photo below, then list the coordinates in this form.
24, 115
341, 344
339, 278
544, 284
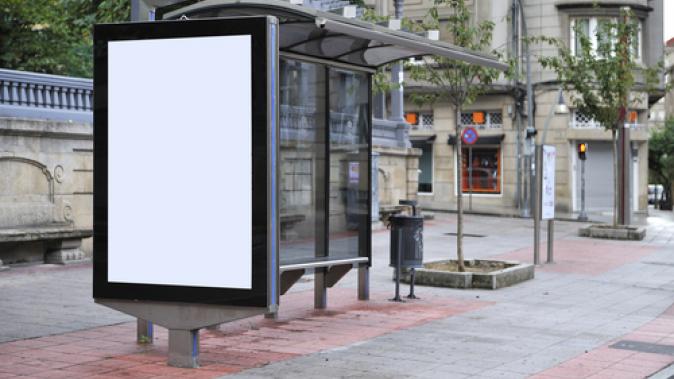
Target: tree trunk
459, 193
614, 149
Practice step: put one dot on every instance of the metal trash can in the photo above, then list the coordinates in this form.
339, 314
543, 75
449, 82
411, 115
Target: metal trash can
407, 238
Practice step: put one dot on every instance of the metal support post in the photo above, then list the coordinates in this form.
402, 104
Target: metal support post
470, 177
583, 214
144, 331
624, 182
184, 348
412, 295
537, 203
398, 269
526, 186
320, 288
363, 283
551, 240
397, 97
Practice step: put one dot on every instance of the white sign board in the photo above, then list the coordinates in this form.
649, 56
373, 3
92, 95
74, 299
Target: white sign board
180, 161
548, 191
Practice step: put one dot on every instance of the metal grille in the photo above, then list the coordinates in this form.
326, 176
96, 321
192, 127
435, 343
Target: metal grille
426, 120
495, 119
582, 121
466, 119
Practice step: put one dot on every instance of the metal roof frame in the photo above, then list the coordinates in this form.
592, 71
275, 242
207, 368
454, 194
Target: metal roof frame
315, 34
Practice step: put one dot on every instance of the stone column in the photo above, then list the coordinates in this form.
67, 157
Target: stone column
412, 164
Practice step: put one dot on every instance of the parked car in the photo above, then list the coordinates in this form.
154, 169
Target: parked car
654, 193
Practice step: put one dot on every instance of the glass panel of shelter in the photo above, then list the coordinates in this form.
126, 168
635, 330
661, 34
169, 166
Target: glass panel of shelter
302, 190
324, 183
349, 168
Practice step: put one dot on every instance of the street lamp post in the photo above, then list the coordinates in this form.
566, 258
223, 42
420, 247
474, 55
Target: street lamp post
397, 74
525, 201
559, 108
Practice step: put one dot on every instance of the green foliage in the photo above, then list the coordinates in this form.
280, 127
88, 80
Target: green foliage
600, 79
54, 36
661, 157
459, 82
381, 82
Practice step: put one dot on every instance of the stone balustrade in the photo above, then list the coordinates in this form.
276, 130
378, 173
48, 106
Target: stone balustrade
46, 97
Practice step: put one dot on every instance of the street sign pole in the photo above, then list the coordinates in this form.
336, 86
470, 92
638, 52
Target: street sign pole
537, 203
470, 177
469, 136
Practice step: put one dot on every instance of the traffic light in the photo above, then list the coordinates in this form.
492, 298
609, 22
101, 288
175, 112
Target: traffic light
582, 149
531, 132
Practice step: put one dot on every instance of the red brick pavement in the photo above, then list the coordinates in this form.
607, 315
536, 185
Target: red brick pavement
609, 363
111, 351
585, 257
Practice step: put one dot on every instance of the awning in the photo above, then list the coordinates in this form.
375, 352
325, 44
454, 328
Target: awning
482, 140
420, 139
322, 35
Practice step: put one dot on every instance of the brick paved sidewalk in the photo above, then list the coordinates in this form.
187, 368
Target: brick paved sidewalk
603, 309
111, 352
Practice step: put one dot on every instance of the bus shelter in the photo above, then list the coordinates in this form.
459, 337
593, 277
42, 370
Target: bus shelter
305, 136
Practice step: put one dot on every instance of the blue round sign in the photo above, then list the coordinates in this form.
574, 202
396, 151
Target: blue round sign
469, 136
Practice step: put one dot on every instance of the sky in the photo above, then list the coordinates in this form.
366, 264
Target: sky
668, 16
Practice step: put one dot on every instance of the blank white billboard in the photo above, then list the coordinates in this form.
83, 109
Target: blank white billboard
180, 162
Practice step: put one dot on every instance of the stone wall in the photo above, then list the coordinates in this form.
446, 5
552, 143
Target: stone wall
47, 175
397, 174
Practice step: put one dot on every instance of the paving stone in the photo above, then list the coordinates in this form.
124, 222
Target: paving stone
584, 302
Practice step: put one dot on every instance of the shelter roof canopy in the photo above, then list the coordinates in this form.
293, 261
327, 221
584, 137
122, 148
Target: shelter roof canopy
329, 36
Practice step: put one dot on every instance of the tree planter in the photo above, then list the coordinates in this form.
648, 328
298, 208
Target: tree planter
480, 274
619, 232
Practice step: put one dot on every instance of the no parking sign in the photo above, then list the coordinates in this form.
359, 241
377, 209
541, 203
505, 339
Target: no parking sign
469, 136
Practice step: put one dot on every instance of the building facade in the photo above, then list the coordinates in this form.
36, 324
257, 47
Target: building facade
494, 176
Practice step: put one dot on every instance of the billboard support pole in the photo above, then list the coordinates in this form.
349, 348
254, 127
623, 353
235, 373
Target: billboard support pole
183, 348
144, 331
183, 322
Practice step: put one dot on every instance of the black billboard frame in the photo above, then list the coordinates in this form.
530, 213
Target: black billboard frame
264, 61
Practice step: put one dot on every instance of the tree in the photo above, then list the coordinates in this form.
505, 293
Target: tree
600, 74
54, 36
458, 82
661, 160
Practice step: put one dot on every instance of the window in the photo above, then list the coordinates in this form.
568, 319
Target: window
481, 169
425, 167
582, 121
482, 119
594, 28
419, 120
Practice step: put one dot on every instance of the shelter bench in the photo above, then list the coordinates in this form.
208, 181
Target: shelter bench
327, 272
